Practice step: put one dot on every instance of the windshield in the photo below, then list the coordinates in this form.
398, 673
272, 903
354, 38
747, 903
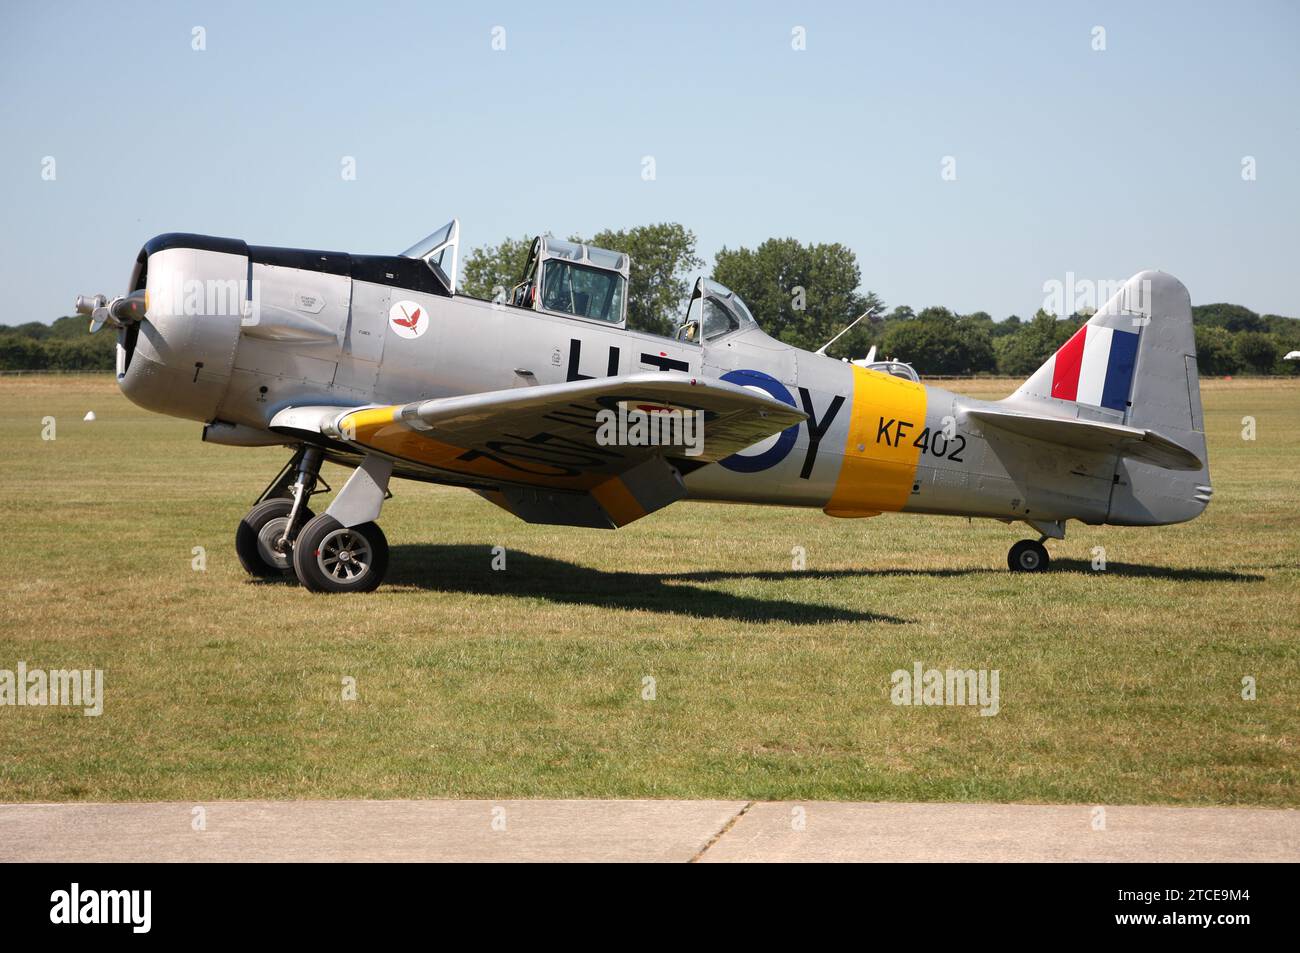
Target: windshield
430, 242
581, 291
724, 312
439, 251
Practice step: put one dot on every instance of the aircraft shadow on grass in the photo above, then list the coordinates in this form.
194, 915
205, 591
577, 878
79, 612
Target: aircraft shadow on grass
1133, 570
467, 569
1126, 570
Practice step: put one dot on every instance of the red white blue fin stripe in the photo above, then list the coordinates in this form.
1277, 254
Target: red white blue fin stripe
1096, 367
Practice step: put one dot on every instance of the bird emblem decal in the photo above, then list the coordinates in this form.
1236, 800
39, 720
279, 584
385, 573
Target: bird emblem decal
406, 318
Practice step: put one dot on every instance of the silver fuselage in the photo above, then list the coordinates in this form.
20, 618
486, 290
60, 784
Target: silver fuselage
319, 334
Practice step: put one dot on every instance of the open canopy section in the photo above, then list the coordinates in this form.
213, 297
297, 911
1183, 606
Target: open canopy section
714, 311
439, 251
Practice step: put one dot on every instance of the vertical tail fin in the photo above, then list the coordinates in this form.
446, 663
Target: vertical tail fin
1134, 363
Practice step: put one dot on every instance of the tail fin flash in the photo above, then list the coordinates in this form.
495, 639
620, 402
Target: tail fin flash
1134, 364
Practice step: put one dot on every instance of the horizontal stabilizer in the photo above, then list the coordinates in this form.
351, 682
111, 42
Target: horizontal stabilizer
1145, 445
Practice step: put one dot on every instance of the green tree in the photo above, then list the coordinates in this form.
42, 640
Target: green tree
1257, 352
800, 294
21, 353
663, 261
976, 337
84, 353
1232, 317
38, 331
75, 327
1215, 354
1022, 353
63, 345
489, 269
1003, 328
1286, 332
936, 341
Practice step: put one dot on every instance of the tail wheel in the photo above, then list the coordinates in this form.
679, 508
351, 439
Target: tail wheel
257, 540
331, 557
1028, 555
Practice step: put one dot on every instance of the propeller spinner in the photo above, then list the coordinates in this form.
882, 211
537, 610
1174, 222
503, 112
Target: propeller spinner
120, 312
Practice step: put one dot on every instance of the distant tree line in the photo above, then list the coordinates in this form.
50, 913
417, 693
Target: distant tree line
64, 345
800, 294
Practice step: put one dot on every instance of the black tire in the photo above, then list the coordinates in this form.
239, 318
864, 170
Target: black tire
1028, 555
328, 557
251, 542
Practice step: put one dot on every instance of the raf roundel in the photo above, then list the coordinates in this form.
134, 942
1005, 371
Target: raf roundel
407, 319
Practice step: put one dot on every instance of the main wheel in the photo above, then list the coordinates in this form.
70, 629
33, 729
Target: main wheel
257, 540
331, 557
1028, 555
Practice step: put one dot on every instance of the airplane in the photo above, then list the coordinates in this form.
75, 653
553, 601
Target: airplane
378, 363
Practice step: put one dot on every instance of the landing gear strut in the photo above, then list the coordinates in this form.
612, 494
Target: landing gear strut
341, 550
1029, 555
264, 539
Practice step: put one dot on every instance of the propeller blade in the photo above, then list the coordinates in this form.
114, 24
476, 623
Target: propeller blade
119, 312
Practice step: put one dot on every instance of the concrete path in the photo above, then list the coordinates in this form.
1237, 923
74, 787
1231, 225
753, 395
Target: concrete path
709, 831
831, 831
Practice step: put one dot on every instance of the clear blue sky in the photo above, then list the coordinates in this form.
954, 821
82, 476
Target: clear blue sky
1067, 159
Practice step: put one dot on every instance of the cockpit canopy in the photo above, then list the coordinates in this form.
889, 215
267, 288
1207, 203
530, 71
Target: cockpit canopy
582, 281
575, 279
714, 311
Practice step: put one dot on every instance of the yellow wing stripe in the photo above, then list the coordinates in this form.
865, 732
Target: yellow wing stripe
369, 419
878, 471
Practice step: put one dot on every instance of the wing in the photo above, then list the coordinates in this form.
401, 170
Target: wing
568, 452
1145, 445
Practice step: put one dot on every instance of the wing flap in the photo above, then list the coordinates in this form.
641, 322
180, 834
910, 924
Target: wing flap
1145, 445
620, 500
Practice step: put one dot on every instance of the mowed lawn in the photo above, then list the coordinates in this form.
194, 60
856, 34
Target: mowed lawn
1119, 686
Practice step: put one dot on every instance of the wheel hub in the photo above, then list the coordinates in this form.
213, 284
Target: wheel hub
271, 545
344, 555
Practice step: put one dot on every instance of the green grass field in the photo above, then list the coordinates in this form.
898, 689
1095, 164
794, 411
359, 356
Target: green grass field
1122, 686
